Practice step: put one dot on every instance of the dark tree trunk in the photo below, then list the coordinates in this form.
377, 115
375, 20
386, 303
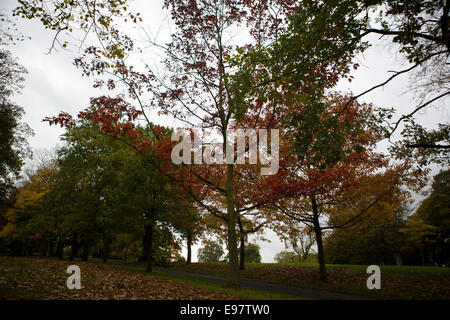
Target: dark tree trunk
189, 248
318, 232
85, 255
106, 248
60, 250
149, 246
422, 256
242, 254
144, 256
44, 249
51, 248
126, 252
28, 250
398, 259
233, 263
75, 247
242, 246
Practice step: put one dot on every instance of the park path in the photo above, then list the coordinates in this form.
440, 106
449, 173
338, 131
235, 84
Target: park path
315, 294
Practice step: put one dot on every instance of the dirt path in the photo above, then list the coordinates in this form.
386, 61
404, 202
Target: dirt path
262, 285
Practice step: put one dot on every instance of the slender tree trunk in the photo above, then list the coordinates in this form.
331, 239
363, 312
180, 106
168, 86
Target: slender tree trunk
422, 256
242, 246
73, 253
318, 232
233, 271
144, 256
60, 249
149, 247
189, 248
28, 250
85, 255
126, 251
242, 254
398, 259
44, 249
51, 248
106, 250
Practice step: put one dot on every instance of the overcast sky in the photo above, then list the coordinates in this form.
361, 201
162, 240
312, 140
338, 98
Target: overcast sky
53, 84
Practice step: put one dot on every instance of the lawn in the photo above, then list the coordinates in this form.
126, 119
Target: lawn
243, 292
398, 282
37, 278
40, 278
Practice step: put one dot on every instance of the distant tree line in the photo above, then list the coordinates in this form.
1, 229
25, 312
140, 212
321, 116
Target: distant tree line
392, 236
98, 197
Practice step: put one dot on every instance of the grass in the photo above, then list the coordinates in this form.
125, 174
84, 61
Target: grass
397, 282
33, 278
243, 293
13, 280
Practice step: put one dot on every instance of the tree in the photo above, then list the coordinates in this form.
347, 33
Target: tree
286, 257
430, 224
26, 226
13, 134
377, 238
189, 222
211, 251
417, 233
145, 195
14, 148
196, 67
250, 221
322, 30
97, 195
314, 176
297, 237
420, 31
251, 253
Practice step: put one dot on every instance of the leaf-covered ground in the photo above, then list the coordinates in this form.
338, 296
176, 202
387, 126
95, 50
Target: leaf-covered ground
402, 282
35, 278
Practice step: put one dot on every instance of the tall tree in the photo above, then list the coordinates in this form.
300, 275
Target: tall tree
211, 251
194, 89
26, 226
13, 133
334, 167
434, 213
252, 254
335, 31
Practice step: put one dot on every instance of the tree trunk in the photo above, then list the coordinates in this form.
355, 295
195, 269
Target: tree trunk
242, 254
44, 249
318, 232
233, 271
149, 247
422, 256
398, 259
51, 248
73, 253
126, 251
106, 250
85, 255
144, 256
242, 246
189, 248
60, 250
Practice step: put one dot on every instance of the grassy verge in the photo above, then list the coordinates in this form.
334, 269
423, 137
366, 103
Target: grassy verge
35, 278
243, 292
398, 282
